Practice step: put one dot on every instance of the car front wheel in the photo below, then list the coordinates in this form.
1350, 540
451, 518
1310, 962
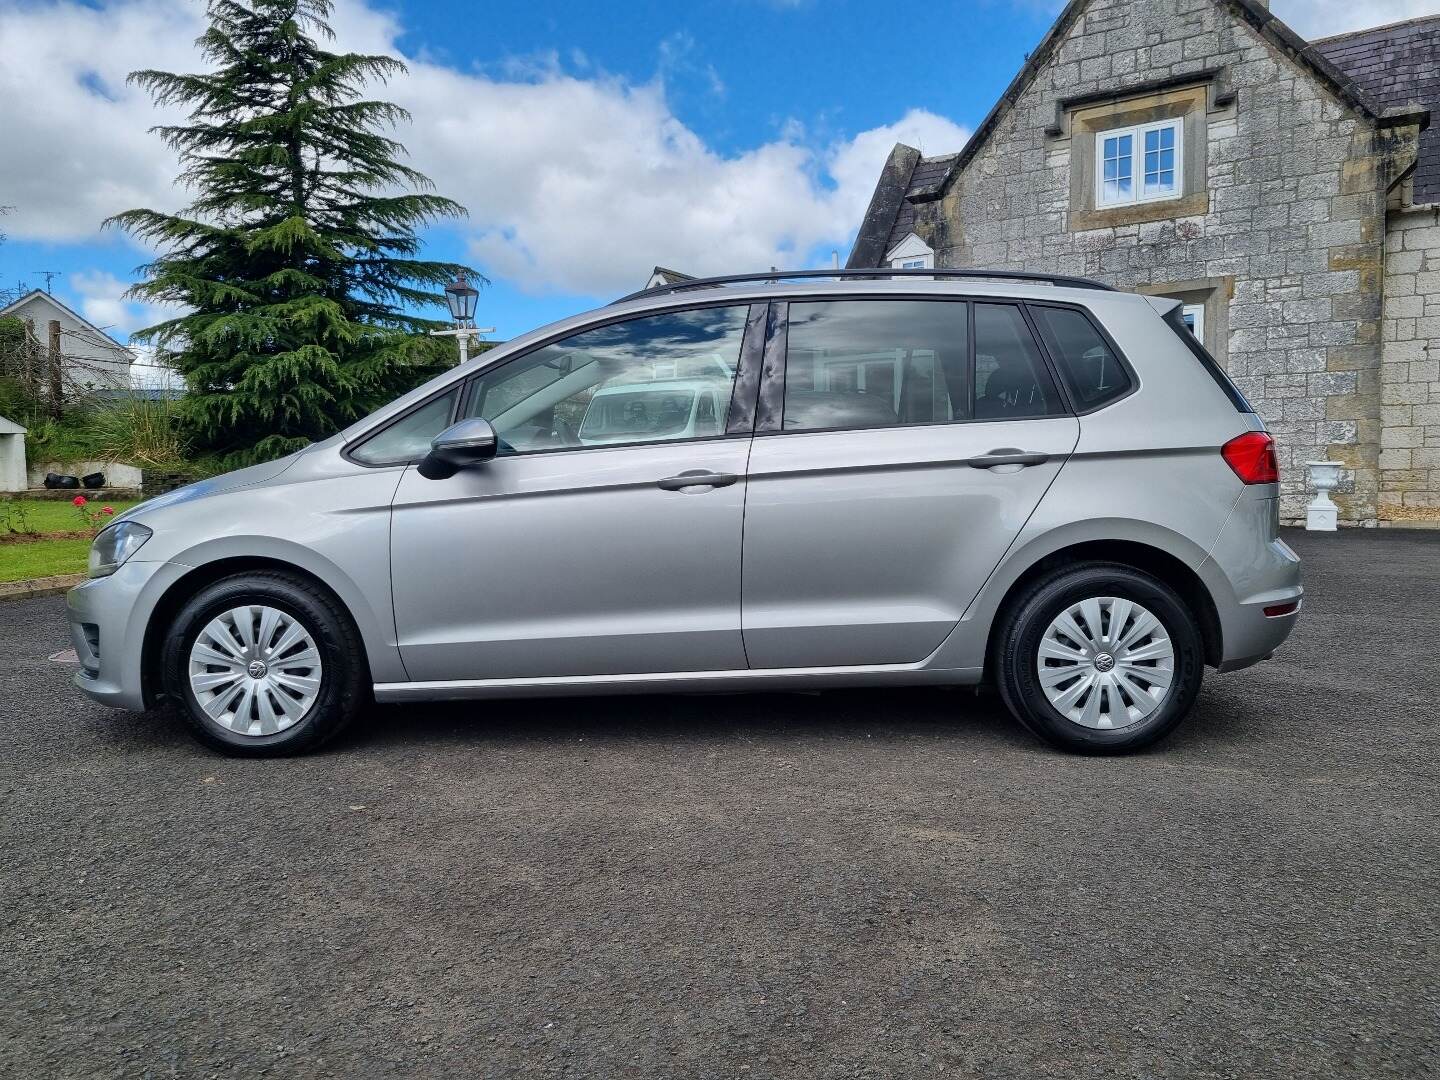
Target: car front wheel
265, 663
1100, 658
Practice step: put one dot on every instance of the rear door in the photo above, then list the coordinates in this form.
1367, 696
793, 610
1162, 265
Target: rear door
900, 446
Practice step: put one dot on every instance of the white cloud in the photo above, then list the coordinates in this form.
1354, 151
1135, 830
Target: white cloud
76, 142
1320, 18
103, 302
577, 183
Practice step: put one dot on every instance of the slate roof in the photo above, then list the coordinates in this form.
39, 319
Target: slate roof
1398, 65
925, 178
668, 276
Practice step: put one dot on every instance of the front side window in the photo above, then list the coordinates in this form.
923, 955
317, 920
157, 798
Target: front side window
1088, 365
1138, 164
652, 379
876, 363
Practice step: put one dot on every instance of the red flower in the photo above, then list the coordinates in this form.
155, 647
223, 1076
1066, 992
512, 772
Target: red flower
79, 500
107, 509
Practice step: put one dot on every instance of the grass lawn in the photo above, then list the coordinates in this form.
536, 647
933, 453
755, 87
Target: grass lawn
46, 558
55, 515
43, 558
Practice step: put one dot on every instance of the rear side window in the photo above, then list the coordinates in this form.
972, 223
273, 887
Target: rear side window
1176, 321
1090, 368
1011, 379
876, 363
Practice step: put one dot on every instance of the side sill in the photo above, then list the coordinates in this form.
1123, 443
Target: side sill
679, 682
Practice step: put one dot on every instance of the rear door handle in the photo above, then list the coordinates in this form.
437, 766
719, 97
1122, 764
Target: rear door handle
697, 478
1008, 455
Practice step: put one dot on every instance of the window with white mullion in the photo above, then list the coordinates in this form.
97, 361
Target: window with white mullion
1138, 164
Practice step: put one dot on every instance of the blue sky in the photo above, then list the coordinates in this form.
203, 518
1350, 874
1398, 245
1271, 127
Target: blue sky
589, 140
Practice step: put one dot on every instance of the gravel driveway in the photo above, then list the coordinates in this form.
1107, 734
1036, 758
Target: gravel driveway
854, 884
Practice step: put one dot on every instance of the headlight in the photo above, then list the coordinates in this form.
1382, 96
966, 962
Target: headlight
116, 544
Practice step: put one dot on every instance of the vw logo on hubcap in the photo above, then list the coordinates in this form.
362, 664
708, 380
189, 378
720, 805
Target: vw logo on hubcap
1104, 662
257, 669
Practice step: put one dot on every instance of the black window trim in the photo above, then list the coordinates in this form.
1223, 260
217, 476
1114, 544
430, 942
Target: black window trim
466, 385
772, 391
1059, 374
1175, 319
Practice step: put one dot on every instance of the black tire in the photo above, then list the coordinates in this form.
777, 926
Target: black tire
1026, 621
344, 684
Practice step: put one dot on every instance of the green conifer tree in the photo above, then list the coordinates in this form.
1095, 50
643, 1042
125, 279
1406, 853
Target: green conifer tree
294, 265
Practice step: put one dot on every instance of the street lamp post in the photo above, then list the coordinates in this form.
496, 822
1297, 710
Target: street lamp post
460, 295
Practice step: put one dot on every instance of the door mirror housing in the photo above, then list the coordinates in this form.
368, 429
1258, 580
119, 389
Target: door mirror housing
457, 447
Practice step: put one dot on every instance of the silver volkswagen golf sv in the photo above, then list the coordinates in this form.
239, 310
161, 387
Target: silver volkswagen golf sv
933, 478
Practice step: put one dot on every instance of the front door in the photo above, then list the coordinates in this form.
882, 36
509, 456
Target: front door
873, 514
605, 537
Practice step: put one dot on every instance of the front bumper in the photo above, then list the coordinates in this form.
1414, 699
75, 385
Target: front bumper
108, 620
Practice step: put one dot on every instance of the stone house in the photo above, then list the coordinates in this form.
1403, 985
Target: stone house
1288, 192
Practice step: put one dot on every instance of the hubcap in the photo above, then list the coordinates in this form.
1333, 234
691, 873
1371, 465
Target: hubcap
1106, 662
255, 670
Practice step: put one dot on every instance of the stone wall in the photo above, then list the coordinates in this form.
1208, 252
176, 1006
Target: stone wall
1291, 236
158, 483
1410, 372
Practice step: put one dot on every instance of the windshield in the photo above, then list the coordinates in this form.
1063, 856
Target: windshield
637, 413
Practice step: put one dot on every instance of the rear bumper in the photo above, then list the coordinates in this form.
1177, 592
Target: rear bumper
1249, 635
1249, 570
108, 620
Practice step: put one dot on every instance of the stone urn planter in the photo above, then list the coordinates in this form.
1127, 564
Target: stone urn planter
1322, 515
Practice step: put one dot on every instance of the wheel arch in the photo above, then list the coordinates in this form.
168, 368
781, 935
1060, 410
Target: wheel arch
162, 616
1146, 557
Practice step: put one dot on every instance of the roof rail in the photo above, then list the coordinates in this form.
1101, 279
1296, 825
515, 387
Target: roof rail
777, 276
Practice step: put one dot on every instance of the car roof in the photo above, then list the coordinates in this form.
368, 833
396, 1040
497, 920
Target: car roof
911, 285
870, 274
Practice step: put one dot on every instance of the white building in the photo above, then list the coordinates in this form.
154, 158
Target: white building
91, 357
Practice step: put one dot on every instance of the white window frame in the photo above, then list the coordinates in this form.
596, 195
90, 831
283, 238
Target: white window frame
1137, 163
1195, 313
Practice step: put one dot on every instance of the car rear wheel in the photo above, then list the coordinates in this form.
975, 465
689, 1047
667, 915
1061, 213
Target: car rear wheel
265, 663
1100, 658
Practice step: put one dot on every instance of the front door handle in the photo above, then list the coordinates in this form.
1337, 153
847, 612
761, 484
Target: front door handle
1008, 455
697, 478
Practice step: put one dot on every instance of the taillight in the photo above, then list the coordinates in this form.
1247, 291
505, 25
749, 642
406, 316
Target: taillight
1252, 456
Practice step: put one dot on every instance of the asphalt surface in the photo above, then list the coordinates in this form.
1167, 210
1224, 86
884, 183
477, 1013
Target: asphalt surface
843, 885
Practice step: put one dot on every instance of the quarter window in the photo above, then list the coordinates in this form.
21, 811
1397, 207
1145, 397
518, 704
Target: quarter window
1139, 164
409, 437
876, 363
1088, 365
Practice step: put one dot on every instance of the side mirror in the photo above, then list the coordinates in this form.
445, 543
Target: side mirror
467, 443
